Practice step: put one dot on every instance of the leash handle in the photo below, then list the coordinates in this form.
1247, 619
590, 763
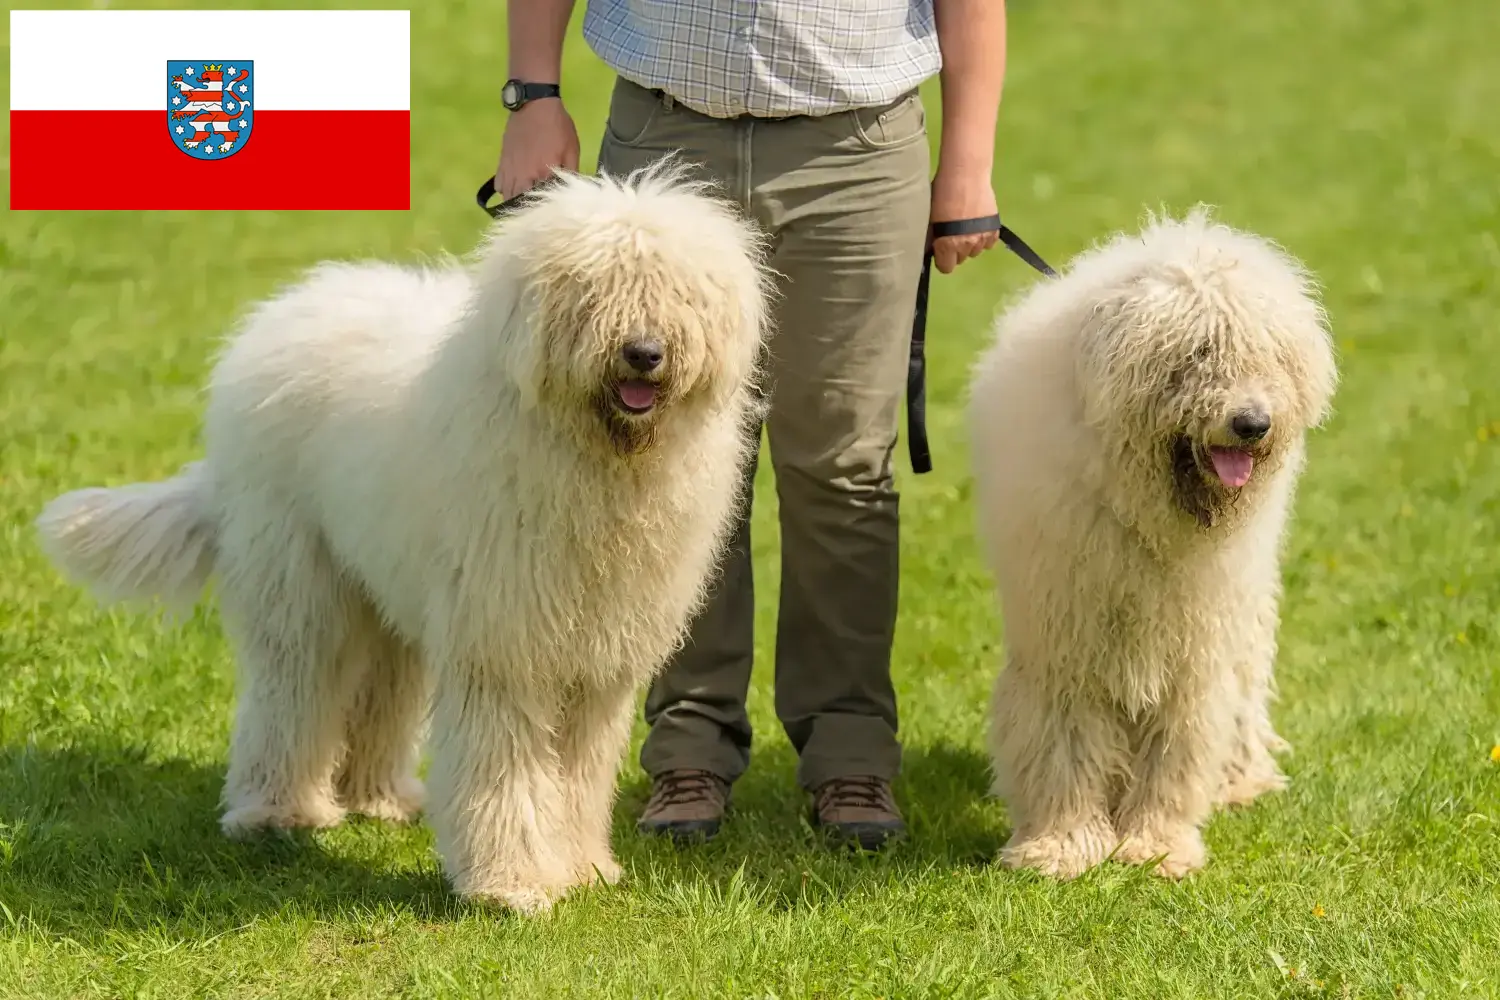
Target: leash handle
964, 227
484, 194
487, 191
916, 368
990, 224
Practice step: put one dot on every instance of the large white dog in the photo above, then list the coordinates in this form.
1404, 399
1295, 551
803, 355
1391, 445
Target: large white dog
510, 478
1138, 430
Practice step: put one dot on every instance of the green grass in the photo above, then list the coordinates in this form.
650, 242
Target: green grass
1360, 133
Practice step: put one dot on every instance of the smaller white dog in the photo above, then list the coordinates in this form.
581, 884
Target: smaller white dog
511, 479
1138, 430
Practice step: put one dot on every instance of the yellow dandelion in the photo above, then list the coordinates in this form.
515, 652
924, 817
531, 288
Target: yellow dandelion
1318, 910
1495, 753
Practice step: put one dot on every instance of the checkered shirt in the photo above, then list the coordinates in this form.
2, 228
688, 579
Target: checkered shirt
768, 58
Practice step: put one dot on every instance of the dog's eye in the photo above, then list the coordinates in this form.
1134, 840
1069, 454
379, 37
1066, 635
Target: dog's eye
1196, 362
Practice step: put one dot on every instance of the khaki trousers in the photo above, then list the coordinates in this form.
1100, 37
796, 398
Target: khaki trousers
845, 199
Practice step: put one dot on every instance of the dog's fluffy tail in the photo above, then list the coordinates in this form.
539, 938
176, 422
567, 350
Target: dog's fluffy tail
143, 542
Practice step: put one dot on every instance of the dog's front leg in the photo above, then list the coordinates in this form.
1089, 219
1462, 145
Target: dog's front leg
494, 792
1053, 759
1174, 777
1250, 767
596, 731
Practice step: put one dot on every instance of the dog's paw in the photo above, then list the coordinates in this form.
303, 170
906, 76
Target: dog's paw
525, 900
244, 819
1250, 772
518, 893
1063, 854
1241, 788
1174, 850
602, 868
526, 883
398, 800
1273, 743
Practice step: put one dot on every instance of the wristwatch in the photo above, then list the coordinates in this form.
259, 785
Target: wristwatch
516, 94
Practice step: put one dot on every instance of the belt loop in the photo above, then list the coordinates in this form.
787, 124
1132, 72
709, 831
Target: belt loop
666, 101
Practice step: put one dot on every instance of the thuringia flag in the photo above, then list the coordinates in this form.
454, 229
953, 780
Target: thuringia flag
210, 112
264, 109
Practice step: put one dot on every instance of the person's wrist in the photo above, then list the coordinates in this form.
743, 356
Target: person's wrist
530, 107
967, 151
518, 94
963, 162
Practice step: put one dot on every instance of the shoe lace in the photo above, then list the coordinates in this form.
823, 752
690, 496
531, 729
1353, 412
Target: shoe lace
856, 793
677, 787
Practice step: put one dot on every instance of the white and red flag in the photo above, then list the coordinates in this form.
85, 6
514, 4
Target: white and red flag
243, 109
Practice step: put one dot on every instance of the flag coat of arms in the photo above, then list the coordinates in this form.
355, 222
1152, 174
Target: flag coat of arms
210, 111
244, 109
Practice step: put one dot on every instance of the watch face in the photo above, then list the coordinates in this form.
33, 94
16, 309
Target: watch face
510, 94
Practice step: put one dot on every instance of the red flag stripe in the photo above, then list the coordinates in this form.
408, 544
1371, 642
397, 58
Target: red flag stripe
279, 164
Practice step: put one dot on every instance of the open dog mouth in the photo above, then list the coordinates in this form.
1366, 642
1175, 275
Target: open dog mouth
1207, 479
635, 396
1223, 465
1233, 466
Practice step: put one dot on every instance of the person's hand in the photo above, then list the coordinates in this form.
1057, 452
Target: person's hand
961, 194
538, 139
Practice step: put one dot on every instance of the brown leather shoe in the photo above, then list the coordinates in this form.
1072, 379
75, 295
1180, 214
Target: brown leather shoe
685, 804
858, 809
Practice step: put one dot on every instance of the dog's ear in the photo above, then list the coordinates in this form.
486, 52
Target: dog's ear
734, 343
528, 364
513, 315
1107, 380
505, 303
1307, 357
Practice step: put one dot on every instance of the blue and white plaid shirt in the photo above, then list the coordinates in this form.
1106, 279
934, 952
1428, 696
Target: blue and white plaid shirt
768, 58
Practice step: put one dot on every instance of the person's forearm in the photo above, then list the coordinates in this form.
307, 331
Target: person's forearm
537, 29
971, 35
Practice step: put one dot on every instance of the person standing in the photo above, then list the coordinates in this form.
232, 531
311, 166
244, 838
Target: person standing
807, 113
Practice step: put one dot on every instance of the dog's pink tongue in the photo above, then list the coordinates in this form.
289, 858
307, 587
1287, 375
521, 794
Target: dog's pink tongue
1232, 465
637, 395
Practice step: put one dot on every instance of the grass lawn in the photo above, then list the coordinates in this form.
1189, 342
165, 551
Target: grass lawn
1363, 134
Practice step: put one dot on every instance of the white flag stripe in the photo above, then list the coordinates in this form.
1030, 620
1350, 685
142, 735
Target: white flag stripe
305, 60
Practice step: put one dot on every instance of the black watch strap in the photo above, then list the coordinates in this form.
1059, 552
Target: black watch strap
517, 93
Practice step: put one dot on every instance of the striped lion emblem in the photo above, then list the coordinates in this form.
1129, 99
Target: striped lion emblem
209, 106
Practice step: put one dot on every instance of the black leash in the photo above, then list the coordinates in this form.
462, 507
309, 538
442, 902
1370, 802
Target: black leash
487, 191
916, 368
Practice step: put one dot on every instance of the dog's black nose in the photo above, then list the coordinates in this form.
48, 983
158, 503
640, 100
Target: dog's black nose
642, 355
1251, 425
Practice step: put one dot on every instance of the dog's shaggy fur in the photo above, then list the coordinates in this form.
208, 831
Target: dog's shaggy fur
1133, 518
462, 477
